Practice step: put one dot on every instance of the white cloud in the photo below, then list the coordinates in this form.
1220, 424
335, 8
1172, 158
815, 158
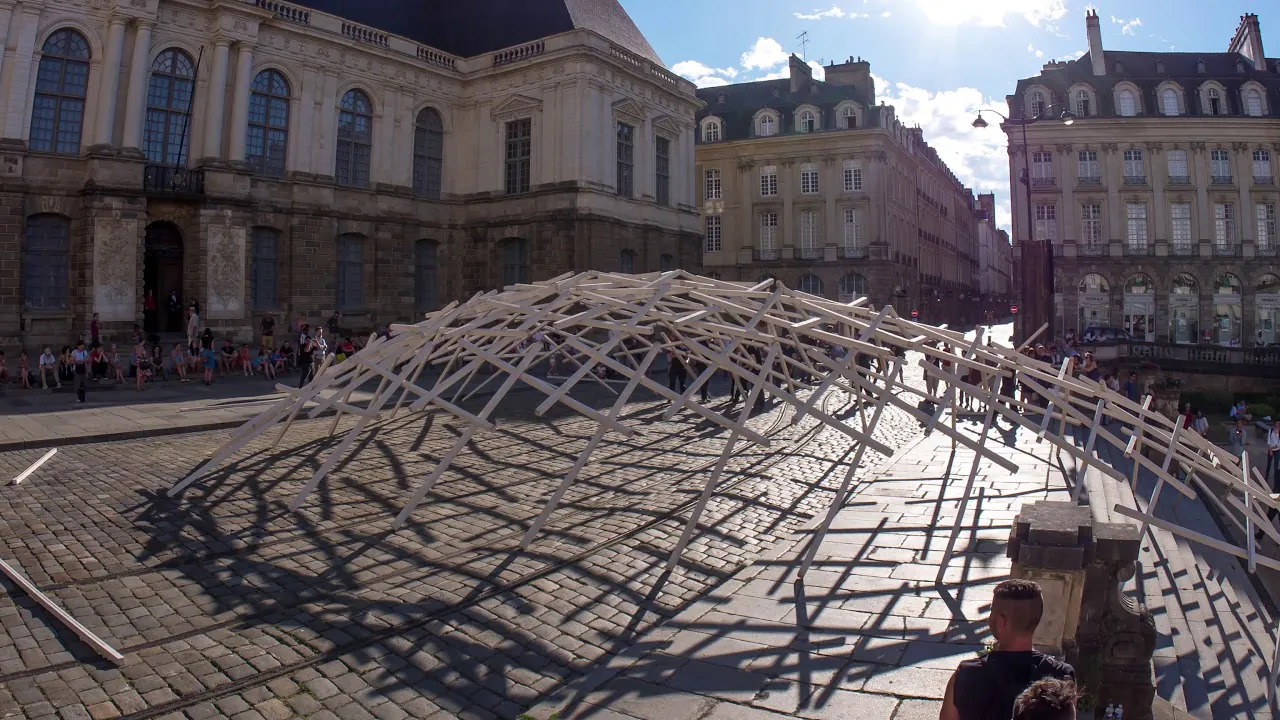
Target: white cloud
1078, 54
1032, 49
977, 157
832, 12
992, 13
767, 53
1127, 26
818, 73
704, 76
886, 13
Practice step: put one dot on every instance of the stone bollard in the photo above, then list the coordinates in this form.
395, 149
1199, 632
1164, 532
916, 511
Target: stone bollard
1050, 544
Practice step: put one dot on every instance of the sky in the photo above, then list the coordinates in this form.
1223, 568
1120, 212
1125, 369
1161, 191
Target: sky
936, 61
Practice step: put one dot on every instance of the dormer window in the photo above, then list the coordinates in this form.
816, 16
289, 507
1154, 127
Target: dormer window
1200, 66
1215, 102
711, 131
720, 98
849, 118
1239, 68
777, 92
1119, 68
1082, 103
1159, 66
1169, 101
1253, 102
1126, 104
1037, 103
766, 126
807, 122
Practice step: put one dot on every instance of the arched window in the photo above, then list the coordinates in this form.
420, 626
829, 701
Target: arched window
57, 112
767, 126
1184, 284
852, 287
711, 131
666, 262
810, 283
424, 275
428, 154
807, 122
1093, 283
350, 294
1169, 101
1227, 284
1037, 103
1253, 102
268, 134
1269, 285
515, 261
46, 263
262, 268
1215, 106
1139, 284
168, 101
1126, 104
849, 118
1082, 103
355, 139
628, 261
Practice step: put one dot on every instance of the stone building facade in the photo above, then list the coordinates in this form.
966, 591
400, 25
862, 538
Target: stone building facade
814, 183
1160, 198
995, 259
272, 158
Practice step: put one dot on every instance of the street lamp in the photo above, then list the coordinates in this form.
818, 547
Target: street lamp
1028, 290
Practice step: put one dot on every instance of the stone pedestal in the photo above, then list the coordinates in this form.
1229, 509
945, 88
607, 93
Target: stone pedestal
1049, 543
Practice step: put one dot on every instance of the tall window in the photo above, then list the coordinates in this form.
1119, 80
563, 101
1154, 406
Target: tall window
810, 233
662, 170
1136, 225
46, 263
626, 148
263, 274
1042, 167
767, 126
1127, 103
168, 100
1224, 223
1169, 101
519, 156
852, 229
1082, 103
1266, 216
1180, 215
350, 295
852, 176
1046, 222
810, 283
628, 261
666, 262
1037, 103
1215, 102
425, 255
1262, 164
769, 181
515, 261
1091, 224
1253, 102
852, 287
1134, 167
808, 179
268, 132
712, 234
1088, 165
849, 118
355, 139
57, 112
711, 131
1220, 164
1178, 171
428, 154
769, 232
711, 184
807, 122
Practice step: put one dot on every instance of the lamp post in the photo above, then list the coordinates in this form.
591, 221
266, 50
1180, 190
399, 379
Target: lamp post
1031, 321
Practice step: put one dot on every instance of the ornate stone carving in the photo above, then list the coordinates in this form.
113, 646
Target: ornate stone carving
1064, 147
1110, 148
1197, 147
115, 269
226, 272
1155, 148
1239, 146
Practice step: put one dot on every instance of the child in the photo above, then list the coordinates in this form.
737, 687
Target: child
243, 360
23, 371
208, 354
179, 362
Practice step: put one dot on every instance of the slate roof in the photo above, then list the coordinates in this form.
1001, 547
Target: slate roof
474, 27
743, 100
1140, 68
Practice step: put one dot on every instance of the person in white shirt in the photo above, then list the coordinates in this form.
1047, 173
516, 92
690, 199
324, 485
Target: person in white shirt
49, 364
80, 358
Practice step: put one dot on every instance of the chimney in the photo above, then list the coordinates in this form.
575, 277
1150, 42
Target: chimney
801, 74
856, 74
1093, 28
987, 203
1248, 41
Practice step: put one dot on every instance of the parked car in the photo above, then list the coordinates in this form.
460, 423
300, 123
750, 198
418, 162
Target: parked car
1099, 335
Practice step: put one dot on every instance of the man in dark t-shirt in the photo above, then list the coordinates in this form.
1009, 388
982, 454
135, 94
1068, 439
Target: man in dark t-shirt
986, 688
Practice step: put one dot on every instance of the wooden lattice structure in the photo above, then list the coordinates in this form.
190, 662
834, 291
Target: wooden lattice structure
769, 339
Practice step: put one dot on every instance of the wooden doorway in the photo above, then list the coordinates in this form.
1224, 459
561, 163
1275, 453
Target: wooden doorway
162, 275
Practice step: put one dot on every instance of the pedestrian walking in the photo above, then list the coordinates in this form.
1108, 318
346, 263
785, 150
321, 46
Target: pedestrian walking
1273, 457
1238, 437
80, 357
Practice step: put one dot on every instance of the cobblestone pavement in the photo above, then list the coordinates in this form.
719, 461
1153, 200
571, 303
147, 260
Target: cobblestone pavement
228, 605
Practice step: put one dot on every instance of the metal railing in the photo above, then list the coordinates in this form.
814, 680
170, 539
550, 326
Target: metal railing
854, 251
1179, 180
1090, 180
1092, 250
1265, 250
1184, 249
1044, 182
1264, 180
1135, 179
166, 180
1222, 180
1139, 250
767, 255
1224, 250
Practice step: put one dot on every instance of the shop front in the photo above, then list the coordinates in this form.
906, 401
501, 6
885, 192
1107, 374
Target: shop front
1140, 308
1228, 311
1266, 301
1184, 309
1094, 302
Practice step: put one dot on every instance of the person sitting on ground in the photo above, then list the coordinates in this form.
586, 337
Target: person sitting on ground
227, 356
244, 361
179, 359
192, 356
1201, 424
24, 372
988, 686
1047, 699
276, 361
66, 366
141, 364
1241, 410
114, 366
265, 364
49, 369
99, 369
157, 361
288, 357
346, 349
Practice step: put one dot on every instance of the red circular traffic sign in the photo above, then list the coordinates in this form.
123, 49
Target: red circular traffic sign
1014, 309
915, 314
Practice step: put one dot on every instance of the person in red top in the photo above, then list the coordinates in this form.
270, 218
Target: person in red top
95, 332
149, 311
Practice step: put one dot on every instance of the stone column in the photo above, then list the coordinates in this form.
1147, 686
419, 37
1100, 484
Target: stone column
109, 91
135, 101
1048, 544
6, 15
325, 161
17, 118
240, 102
833, 228
217, 98
1244, 181
1202, 178
1159, 176
786, 237
1069, 215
